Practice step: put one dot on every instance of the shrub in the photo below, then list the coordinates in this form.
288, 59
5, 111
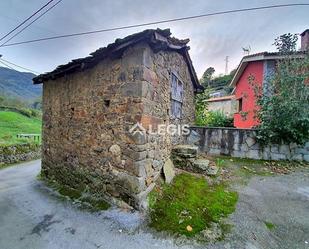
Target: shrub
201, 108
284, 105
218, 119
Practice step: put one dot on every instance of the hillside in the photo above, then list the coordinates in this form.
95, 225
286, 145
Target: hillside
17, 84
13, 123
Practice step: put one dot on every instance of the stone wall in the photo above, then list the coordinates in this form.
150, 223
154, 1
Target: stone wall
87, 117
242, 143
19, 152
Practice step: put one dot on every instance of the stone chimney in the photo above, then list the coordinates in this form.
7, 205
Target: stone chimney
304, 40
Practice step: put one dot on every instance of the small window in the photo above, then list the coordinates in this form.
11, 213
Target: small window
176, 96
240, 105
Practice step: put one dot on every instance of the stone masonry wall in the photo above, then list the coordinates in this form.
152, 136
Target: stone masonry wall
157, 109
19, 152
87, 117
242, 143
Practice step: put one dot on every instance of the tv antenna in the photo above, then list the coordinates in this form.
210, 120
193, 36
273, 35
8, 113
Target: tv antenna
246, 50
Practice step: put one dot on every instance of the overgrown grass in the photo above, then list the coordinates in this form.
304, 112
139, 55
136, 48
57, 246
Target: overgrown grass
13, 123
189, 202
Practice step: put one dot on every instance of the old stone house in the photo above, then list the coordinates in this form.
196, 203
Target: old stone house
91, 104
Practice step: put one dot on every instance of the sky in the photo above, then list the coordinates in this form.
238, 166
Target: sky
211, 38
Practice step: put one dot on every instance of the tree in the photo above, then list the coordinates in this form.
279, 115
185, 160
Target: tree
283, 112
222, 82
207, 76
286, 43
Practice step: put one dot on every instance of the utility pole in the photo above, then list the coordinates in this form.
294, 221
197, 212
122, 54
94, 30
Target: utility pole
226, 65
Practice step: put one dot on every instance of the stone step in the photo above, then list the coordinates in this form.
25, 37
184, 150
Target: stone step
201, 164
185, 151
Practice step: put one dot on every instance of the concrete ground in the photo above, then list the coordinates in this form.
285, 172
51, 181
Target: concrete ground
31, 216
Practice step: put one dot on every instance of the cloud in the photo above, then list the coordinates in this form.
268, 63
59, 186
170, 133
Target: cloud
211, 38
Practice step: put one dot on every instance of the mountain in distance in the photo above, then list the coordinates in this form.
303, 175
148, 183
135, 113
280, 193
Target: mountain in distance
15, 84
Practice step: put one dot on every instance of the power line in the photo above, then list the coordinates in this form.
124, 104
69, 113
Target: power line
31, 23
3, 60
20, 73
27, 19
157, 22
6, 65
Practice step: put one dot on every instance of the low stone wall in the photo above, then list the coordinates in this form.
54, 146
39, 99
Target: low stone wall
242, 143
19, 152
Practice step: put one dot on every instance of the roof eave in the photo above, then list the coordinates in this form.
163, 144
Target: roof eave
152, 36
245, 60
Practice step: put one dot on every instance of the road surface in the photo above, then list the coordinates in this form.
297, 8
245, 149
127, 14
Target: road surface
32, 217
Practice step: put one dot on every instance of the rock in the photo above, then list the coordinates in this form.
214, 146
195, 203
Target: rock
115, 150
253, 154
149, 169
168, 171
156, 164
284, 149
277, 156
185, 151
194, 137
201, 164
138, 168
298, 157
250, 141
132, 183
212, 170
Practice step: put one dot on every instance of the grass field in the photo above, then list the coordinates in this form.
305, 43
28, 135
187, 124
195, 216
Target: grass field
13, 123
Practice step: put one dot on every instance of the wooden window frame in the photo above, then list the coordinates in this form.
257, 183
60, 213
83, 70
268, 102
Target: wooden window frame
177, 92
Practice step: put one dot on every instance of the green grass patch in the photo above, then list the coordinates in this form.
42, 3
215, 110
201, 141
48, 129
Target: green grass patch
269, 225
13, 123
190, 202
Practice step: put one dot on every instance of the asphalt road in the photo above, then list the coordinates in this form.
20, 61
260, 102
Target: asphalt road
32, 217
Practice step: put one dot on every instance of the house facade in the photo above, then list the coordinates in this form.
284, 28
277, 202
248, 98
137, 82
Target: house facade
259, 68
225, 104
96, 111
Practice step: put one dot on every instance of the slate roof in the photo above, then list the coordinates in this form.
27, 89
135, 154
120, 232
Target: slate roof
303, 33
157, 39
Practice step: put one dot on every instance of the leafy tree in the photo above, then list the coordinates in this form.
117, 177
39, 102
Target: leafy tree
284, 110
207, 76
286, 43
223, 82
